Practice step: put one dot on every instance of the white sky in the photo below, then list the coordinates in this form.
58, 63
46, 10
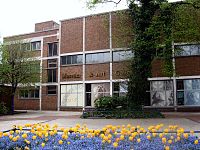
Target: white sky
20, 16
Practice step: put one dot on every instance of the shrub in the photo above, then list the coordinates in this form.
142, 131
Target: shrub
3, 108
110, 103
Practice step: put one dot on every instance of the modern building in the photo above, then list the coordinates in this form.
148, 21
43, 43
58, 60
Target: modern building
88, 57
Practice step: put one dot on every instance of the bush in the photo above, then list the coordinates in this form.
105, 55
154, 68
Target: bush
110, 103
3, 108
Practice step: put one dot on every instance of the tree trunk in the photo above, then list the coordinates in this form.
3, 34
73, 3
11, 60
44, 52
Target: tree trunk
12, 103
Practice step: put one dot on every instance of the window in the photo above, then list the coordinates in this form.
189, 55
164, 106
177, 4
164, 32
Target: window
52, 49
120, 88
52, 63
122, 55
187, 50
188, 92
72, 59
72, 95
36, 45
98, 58
95, 91
162, 93
51, 75
29, 94
51, 90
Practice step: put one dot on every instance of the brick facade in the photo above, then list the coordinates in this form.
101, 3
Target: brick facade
81, 36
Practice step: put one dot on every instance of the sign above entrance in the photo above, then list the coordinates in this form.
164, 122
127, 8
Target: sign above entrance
69, 76
99, 74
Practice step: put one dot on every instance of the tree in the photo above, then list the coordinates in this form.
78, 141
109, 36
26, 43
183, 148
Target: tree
18, 67
156, 24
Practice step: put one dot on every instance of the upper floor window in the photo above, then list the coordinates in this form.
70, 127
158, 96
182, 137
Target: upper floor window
187, 50
98, 57
122, 55
52, 63
72, 59
36, 45
52, 49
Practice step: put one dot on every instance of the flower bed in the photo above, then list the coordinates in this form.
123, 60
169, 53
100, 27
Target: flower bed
36, 137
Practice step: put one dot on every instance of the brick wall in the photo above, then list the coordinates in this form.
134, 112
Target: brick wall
122, 32
71, 36
42, 26
49, 102
120, 70
97, 32
97, 72
157, 67
31, 35
188, 66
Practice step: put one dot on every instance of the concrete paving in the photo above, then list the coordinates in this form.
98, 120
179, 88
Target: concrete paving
70, 119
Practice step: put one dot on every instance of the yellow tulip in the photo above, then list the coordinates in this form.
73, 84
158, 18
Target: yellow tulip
115, 144
60, 142
139, 140
43, 144
196, 142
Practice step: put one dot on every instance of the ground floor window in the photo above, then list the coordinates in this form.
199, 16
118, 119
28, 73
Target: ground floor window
162, 93
95, 91
29, 93
120, 88
188, 92
72, 95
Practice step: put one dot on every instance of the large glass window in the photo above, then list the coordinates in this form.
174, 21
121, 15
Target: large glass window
188, 92
36, 45
72, 95
122, 55
72, 59
29, 94
120, 88
97, 58
162, 93
95, 91
187, 50
52, 49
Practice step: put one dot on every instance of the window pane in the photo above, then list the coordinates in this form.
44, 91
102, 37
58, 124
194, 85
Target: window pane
95, 58
69, 60
79, 59
74, 59
106, 57
50, 49
37, 93
55, 49
180, 85
196, 84
116, 56
63, 60
50, 75
54, 75
88, 58
100, 57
